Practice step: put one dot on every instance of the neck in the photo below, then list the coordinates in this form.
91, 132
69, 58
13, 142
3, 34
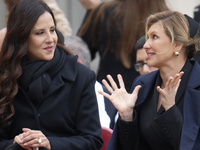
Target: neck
170, 71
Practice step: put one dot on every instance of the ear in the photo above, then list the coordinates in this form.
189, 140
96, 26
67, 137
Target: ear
178, 46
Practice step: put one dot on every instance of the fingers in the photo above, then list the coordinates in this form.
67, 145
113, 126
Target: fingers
172, 84
26, 129
112, 82
34, 139
121, 82
105, 95
105, 83
136, 90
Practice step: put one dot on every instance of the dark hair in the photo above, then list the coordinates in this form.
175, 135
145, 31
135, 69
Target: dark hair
21, 20
140, 43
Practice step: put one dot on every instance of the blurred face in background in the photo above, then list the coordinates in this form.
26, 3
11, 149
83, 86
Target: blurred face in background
141, 62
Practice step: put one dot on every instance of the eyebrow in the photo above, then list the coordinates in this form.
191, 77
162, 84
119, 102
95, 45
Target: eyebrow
37, 29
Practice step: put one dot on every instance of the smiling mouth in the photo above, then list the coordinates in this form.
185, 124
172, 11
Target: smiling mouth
49, 49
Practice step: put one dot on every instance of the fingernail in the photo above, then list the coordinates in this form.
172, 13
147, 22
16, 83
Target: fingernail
25, 144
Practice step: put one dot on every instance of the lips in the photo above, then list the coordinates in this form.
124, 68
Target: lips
49, 48
150, 54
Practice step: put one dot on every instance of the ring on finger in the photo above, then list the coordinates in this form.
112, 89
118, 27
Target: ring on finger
39, 140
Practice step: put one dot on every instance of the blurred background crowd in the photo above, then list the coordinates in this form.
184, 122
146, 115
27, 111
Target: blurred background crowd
75, 12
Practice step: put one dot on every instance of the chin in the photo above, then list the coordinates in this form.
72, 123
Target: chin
47, 58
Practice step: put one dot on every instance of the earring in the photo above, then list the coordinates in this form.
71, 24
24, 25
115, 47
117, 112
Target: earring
176, 53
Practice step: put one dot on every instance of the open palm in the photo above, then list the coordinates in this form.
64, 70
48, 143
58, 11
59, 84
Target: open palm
123, 101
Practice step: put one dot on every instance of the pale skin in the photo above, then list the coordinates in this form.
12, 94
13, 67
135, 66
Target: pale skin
141, 56
29, 139
41, 46
170, 74
90, 4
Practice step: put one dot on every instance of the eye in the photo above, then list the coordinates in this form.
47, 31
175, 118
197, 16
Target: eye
154, 36
53, 30
39, 33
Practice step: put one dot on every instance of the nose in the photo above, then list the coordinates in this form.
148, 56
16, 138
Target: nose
146, 44
146, 69
49, 37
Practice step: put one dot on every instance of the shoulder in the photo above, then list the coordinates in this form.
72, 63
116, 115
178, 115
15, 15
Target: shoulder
73, 70
146, 77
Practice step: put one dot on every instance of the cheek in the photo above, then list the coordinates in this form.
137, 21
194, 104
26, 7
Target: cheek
35, 42
55, 37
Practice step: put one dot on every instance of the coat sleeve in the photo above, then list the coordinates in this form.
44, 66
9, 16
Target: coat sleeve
87, 122
4, 138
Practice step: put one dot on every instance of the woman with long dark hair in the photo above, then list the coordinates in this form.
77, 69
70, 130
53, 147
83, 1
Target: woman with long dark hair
47, 98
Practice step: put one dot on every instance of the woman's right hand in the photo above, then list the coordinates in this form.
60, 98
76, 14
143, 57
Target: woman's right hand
123, 101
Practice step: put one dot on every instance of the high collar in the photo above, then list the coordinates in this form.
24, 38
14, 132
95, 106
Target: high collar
69, 71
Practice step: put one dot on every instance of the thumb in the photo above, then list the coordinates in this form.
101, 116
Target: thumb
26, 129
136, 90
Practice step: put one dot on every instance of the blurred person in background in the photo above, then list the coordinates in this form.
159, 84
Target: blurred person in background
141, 58
112, 29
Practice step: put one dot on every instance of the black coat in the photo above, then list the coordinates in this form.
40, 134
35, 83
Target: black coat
190, 134
68, 114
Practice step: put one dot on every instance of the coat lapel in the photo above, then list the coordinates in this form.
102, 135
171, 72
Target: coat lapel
146, 81
69, 73
191, 111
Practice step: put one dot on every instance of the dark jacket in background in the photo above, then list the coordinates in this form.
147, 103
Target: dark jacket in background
197, 13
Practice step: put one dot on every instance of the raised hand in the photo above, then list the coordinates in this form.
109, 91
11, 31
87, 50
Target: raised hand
123, 101
167, 94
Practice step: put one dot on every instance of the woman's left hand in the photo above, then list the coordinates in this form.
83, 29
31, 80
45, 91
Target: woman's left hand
35, 139
167, 95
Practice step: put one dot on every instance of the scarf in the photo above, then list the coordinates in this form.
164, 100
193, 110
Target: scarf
37, 75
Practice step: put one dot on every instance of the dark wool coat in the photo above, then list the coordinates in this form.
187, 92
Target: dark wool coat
190, 135
68, 114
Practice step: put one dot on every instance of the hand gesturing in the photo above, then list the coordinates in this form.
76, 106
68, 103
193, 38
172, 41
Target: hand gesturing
123, 101
167, 94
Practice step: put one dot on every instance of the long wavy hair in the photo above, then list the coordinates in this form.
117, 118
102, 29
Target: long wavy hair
21, 20
127, 18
